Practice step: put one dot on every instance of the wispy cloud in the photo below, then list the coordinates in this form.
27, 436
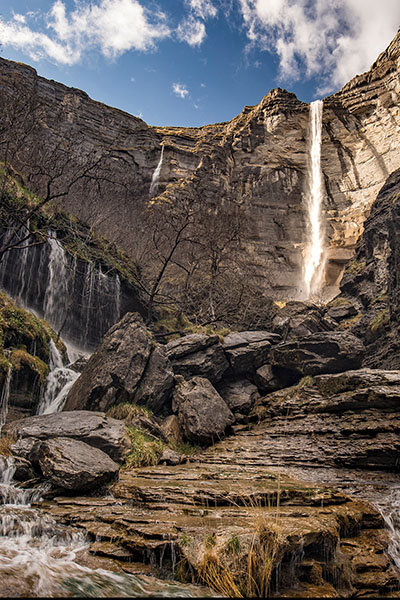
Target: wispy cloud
109, 26
335, 40
192, 31
204, 9
180, 90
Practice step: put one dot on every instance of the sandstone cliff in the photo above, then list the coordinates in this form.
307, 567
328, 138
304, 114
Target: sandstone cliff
259, 160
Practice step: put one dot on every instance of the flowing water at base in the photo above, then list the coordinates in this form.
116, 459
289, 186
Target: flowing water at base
40, 558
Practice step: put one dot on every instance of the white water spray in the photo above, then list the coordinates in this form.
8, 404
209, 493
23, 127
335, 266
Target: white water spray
4, 397
58, 384
314, 259
156, 175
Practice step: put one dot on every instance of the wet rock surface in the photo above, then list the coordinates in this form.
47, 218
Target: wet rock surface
127, 366
248, 350
74, 465
230, 510
92, 428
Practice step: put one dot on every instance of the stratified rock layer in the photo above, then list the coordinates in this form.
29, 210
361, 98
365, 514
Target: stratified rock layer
258, 159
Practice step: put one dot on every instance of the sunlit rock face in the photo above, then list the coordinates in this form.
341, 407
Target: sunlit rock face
259, 159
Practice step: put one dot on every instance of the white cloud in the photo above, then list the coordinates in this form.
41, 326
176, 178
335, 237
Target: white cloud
180, 90
334, 40
111, 26
204, 9
192, 31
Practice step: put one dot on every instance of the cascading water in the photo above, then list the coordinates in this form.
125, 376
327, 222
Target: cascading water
58, 383
4, 397
75, 296
40, 557
156, 175
314, 259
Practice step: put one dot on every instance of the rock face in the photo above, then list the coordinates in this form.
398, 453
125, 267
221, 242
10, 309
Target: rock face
349, 419
258, 159
92, 428
74, 465
128, 366
202, 413
371, 282
330, 352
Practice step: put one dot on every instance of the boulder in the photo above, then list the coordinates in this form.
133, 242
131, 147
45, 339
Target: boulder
93, 428
266, 379
74, 465
239, 395
198, 355
248, 350
127, 366
169, 457
327, 352
202, 414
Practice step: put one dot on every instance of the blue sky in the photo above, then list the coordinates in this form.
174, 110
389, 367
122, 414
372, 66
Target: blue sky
192, 62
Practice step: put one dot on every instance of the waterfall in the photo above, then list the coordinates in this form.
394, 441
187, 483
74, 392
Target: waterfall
77, 298
58, 384
56, 298
4, 397
314, 259
156, 175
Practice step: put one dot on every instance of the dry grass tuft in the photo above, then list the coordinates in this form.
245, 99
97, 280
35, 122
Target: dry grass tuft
6, 441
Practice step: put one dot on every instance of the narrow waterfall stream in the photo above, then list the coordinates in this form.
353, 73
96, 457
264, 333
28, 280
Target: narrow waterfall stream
314, 260
59, 381
156, 175
4, 398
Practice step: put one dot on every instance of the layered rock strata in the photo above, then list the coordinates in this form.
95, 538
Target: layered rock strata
259, 160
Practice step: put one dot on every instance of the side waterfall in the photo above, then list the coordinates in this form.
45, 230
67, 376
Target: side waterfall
77, 298
58, 383
4, 397
314, 259
156, 175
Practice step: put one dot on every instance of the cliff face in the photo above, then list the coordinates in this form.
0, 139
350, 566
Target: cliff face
259, 159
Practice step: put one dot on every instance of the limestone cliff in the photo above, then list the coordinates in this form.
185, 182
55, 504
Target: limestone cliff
259, 159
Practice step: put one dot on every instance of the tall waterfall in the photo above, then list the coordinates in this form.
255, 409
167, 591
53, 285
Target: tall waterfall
314, 259
156, 175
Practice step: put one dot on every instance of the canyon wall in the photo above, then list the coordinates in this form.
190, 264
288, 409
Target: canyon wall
259, 160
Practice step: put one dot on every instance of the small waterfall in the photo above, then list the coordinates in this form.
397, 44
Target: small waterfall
314, 260
4, 397
390, 512
58, 384
156, 175
56, 298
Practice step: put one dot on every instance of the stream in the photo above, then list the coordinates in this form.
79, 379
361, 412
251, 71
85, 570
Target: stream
41, 558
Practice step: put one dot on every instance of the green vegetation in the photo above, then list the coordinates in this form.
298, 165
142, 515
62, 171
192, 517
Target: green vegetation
129, 412
19, 358
146, 450
379, 321
20, 329
170, 319
350, 323
355, 267
306, 381
338, 302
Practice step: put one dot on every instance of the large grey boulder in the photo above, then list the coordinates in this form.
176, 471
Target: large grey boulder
127, 366
248, 350
198, 354
93, 428
74, 465
202, 413
325, 352
239, 395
